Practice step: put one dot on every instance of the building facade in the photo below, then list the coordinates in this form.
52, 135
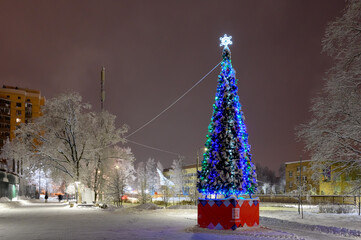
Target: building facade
17, 105
299, 174
189, 178
331, 181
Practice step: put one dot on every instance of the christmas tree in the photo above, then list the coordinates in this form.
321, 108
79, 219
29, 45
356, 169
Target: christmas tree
227, 169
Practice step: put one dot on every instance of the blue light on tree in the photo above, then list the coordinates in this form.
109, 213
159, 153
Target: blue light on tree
227, 169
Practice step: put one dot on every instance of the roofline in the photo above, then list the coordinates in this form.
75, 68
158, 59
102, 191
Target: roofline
298, 161
184, 167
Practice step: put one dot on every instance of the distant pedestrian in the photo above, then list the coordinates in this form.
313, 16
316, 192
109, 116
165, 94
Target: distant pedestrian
60, 197
46, 196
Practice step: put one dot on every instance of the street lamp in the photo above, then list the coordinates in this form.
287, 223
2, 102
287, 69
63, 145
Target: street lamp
203, 150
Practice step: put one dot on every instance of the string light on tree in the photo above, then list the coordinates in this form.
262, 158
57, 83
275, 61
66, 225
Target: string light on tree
227, 169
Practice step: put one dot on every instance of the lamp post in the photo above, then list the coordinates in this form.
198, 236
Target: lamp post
202, 150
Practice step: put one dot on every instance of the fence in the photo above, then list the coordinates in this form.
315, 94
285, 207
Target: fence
311, 199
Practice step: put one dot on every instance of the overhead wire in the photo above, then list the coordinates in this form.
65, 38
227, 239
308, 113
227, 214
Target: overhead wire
154, 148
171, 105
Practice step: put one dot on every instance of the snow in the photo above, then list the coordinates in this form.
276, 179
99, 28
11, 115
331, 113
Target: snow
34, 219
147, 206
311, 216
182, 207
4, 200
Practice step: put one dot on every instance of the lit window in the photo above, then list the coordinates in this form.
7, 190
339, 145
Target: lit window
18, 120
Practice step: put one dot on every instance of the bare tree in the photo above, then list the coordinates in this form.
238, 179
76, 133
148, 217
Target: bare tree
333, 136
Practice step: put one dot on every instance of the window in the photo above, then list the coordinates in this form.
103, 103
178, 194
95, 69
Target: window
298, 168
326, 174
347, 177
19, 97
18, 112
304, 168
290, 185
18, 104
338, 178
304, 178
290, 173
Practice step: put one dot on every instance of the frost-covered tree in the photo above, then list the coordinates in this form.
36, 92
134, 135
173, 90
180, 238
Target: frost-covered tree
120, 175
333, 136
176, 174
148, 181
152, 176
142, 182
282, 179
103, 134
165, 185
63, 140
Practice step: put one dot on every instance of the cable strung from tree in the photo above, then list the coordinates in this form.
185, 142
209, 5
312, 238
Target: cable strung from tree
158, 149
171, 105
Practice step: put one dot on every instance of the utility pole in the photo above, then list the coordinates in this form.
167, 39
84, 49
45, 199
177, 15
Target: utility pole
300, 187
102, 91
98, 172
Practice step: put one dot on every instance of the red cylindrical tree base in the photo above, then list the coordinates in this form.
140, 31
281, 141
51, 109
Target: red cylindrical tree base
228, 213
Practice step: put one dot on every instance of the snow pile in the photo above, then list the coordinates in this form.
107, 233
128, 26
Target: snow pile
304, 206
182, 207
324, 229
4, 200
10, 204
147, 206
337, 209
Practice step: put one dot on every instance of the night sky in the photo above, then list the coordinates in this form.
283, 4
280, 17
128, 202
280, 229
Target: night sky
154, 51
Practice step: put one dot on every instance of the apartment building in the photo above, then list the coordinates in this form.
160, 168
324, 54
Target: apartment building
21, 105
331, 181
17, 105
298, 174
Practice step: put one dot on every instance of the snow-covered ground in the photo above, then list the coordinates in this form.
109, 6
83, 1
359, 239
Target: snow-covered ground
37, 220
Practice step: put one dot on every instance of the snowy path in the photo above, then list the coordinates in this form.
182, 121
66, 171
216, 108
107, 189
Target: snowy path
58, 221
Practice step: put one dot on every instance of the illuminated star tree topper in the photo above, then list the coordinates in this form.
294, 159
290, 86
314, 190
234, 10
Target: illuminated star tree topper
225, 41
